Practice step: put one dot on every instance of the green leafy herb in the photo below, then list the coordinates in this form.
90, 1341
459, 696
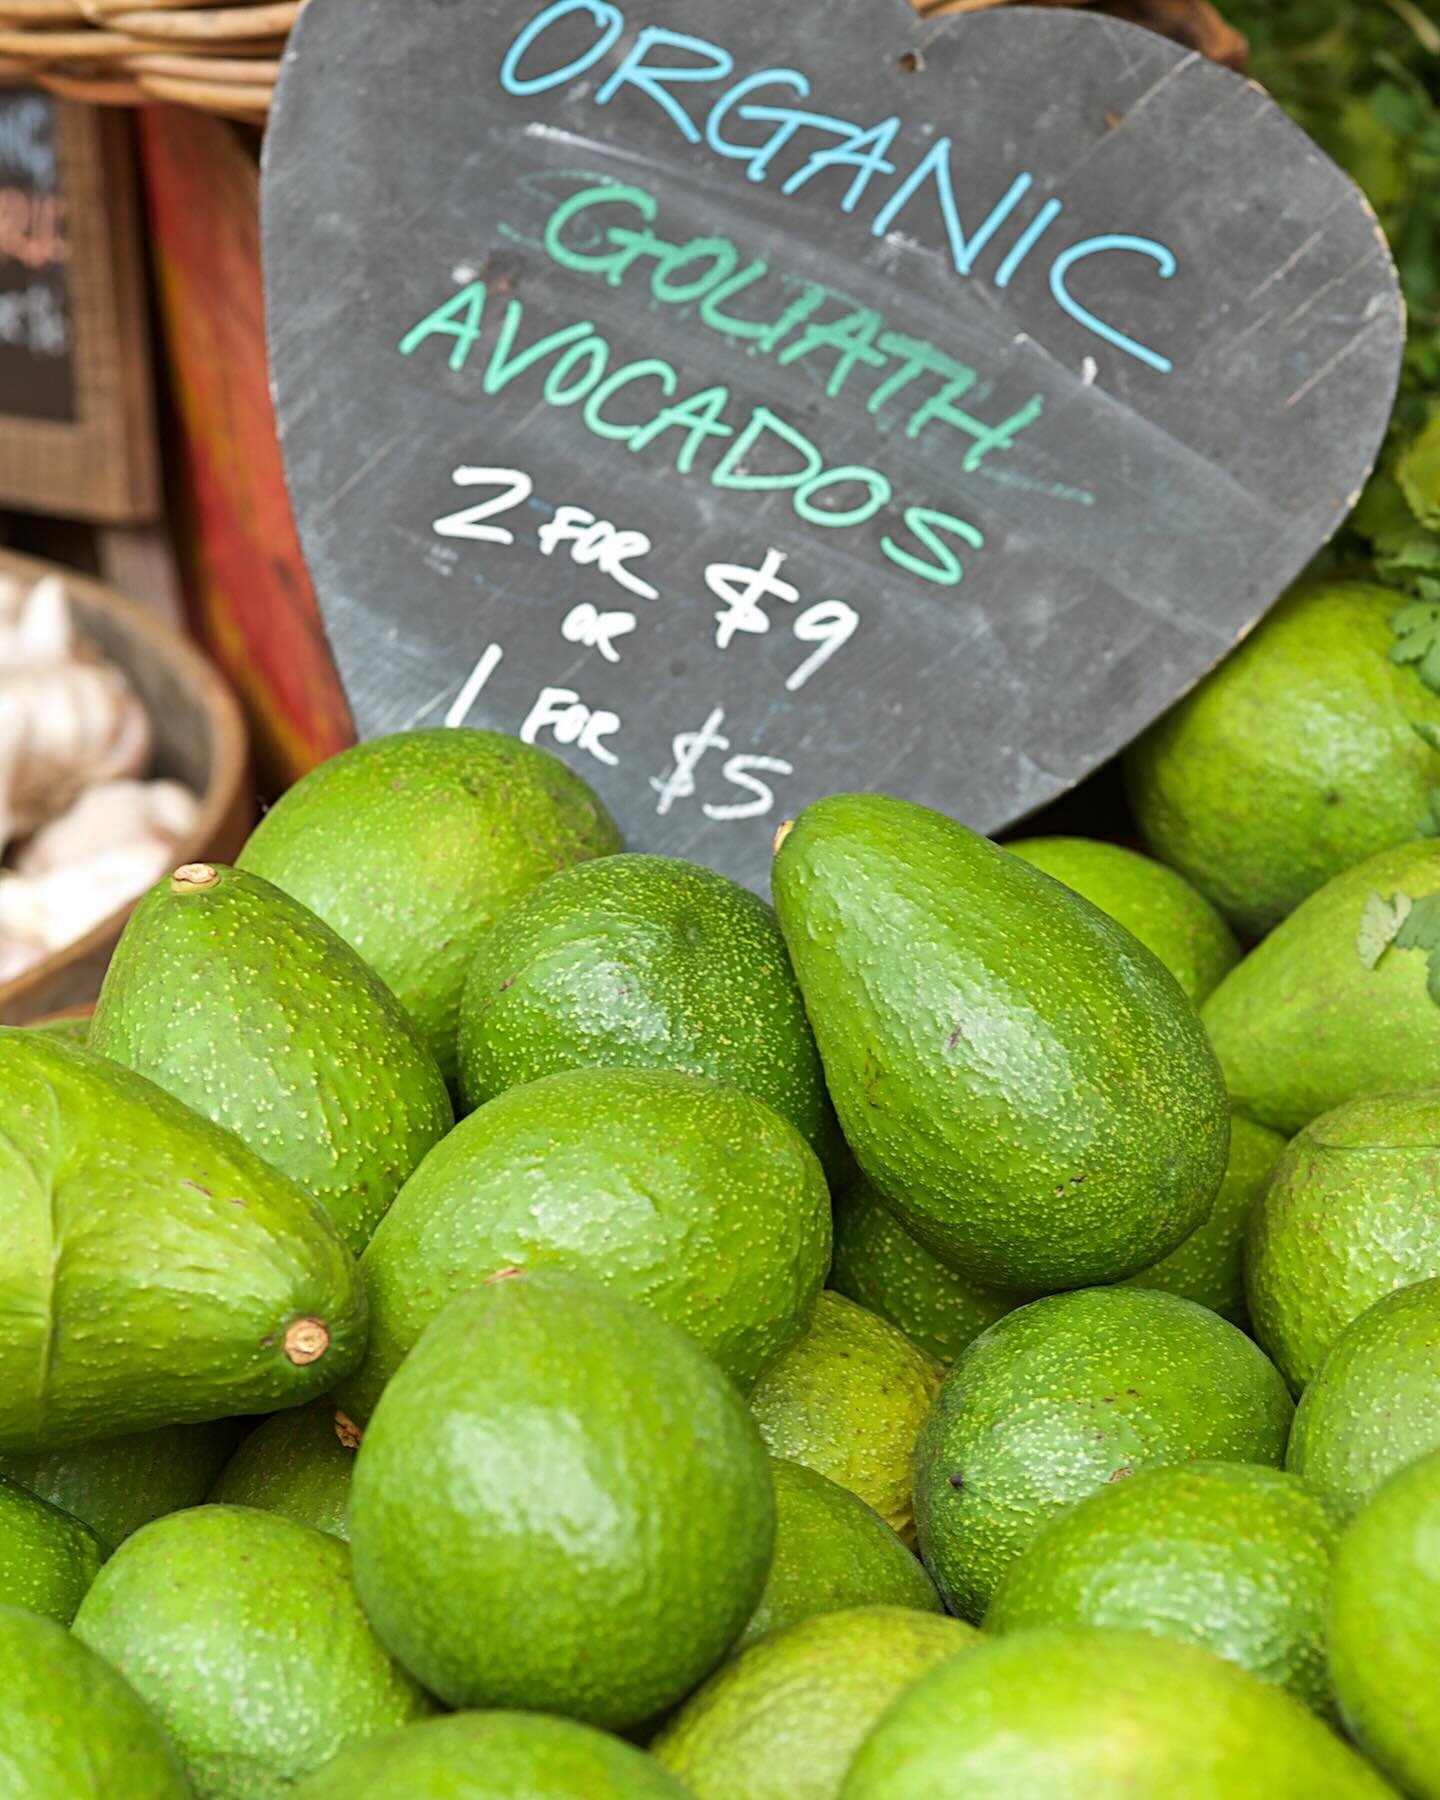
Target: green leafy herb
1420, 930
1380, 923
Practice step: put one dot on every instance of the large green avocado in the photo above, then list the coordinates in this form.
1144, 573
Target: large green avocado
298, 1464
155, 1271
884, 1267
1349, 1213
71, 1728
240, 1002
243, 1633
1230, 1556
782, 1720
561, 1504
1069, 1394
412, 846
1385, 1628
47, 1558
1296, 759
1373, 1405
692, 1198
116, 1485
1076, 1714
1021, 1079
493, 1756
1152, 902
642, 962
832, 1552
1336, 1003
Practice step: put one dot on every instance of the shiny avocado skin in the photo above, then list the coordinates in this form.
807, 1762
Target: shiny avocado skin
493, 1756
242, 1632
240, 1002
71, 1727
189, 1280
691, 1198
47, 1559
412, 846
642, 962
1020, 1078
299, 1464
116, 1485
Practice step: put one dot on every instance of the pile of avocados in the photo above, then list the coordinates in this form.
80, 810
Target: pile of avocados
485, 1315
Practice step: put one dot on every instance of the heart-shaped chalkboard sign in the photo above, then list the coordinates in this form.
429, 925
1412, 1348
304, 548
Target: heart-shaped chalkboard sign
753, 402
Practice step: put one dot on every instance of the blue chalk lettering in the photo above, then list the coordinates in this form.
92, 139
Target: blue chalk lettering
609, 17
1027, 241
864, 152
656, 81
936, 164
750, 153
1164, 260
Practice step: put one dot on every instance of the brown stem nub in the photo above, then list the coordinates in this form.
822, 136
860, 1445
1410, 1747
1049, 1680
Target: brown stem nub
348, 1432
194, 878
782, 834
503, 1275
306, 1341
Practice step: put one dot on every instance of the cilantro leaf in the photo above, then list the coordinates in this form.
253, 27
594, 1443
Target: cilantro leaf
1420, 930
1380, 924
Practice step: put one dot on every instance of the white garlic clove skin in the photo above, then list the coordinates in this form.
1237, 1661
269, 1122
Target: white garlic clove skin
40, 631
108, 816
52, 911
76, 724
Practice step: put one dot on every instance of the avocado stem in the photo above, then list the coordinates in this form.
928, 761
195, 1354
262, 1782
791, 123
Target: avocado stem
306, 1341
782, 834
193, 878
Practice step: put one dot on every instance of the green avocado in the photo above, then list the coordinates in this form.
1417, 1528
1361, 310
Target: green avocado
1295, 760
832, 1552
116, 1485
1373, 1405
71, 1728
240, 1002
493, 1756
848, 1399
1209, 1267
47, 1558
561, 1505
880, 1265
1076, 1714
1151, 901
1385, 1628
298, 1464
997, 1049
1336, 1003
782, 1720
689, 1197
243, 1633
412, 846
1230, 1556
642, 962
155, 1271
1350, 1212
1069, 1394
67, 1027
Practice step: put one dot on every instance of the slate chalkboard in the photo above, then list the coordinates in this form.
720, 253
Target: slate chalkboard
36, 376
751, 403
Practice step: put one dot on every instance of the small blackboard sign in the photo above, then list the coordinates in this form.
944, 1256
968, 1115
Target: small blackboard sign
36, 379
754, 402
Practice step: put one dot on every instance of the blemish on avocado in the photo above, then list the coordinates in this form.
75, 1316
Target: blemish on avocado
957, 1481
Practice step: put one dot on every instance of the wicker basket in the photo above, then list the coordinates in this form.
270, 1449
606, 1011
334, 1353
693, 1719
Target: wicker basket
221, 57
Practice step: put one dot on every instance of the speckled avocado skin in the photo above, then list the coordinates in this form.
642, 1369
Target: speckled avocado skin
1385, 1628
412, 846
1296, 759
47, 1559
881, 1266
642, 962
298, 1464
848, 1399
1303, 1025
686, 1196
782, 1720
1086, 1715
1373, 1405
1350, 1212
240, 1002
1152, 902
832, 1552
156, 1271
1071, 1393
1021, 1079
116, 1485
242, 1632
70, 1727
493, 1756
577, 1474
1231, 1557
